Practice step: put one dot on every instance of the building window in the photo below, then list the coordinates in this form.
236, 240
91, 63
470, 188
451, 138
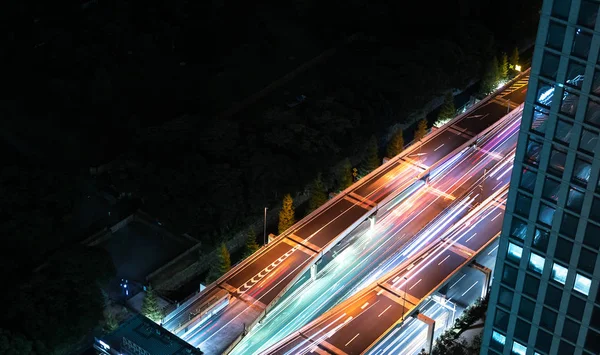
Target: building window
587, 260
591, 341
548, 319
546, 214
581, 171
588, 141
539, 119
595, 210
553, 296
550, 191
498, 341
518, 229
526, 308
501, 320
531, 286
568, 106
505, 297
582, 284
532, 152
545, 90
560, 9
588, 11
556, 36
575, 74
575, 200
523, 205
568, 226
536, 263
559, 273
595, 321
563, 250
509, 276
592, 115
543, 341
591, 237
581, 44
528, 180
576, 307
540, 240
570, 330
558, 158
514, 253
522, 330
596, 82
565, 348
518, 349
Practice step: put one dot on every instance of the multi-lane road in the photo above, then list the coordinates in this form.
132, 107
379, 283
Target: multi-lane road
259, 281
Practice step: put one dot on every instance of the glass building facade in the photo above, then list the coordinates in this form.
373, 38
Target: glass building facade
545, 296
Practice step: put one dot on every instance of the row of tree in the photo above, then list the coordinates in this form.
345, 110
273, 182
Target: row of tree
499, 71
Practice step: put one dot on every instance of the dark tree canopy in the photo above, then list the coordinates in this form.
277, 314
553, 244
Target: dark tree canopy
286, 215
318, 195
370, 160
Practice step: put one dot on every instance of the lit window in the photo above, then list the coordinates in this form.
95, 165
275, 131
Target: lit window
559, 273
536, 263
582, 284
518, 348
498, 337
514, 252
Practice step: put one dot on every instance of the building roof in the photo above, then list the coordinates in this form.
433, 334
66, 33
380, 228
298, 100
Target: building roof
149, 336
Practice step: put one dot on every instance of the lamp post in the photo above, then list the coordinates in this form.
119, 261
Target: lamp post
404, 297
265, 228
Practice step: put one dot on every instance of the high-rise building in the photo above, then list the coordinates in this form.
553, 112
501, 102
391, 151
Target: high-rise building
545, 297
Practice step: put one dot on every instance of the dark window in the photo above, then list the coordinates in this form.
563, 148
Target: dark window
568, 106
531, 286
581, 171
523, 205
539, 119
591, 341
576, 307
518, 229
588, 141
591, 237
568, 226
570, 330
532, 153
595, 210
509, 276
560, 9
522, 330
596, 82
543, 340
588, 11
548, 319
553, 296
592, 115
595, 321
563, 250
501, 320
575, 74
551, 188
581, 44
528, 180
558, 158
540, 240
556, 36
546, 214
565, 348
575, 200
505, 297
526, 308
587, 260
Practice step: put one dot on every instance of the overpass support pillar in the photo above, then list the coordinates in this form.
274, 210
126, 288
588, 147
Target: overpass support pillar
372, 219
313, 271
430, 330
488, 275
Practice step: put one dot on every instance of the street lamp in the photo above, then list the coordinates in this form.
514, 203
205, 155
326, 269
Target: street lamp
517, 67
265, 228
404, 297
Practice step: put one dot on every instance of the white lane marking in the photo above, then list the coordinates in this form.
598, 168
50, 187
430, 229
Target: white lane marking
352, 339
415, 284
454, 284
493, 250
396, 279
498, 215
495, 187
447, 256
469, 289
439, 147
388, 307
471, 237
364, 305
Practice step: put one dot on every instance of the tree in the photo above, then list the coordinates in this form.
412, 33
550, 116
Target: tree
110, 322
490, 77
224, 259
251, 245
15, 344
514, 58
286, 215
318, 195
150, 306
344, 175
396, 144
371, 159
448, 111
503, 70
421, 130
